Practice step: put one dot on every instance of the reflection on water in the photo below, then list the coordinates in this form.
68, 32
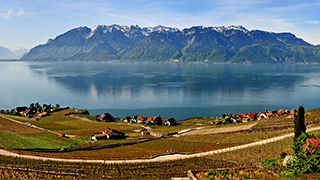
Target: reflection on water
172, 89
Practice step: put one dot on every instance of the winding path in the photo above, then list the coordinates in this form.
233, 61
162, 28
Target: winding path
159, 158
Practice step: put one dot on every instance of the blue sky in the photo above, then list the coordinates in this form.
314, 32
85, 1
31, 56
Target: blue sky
28, 23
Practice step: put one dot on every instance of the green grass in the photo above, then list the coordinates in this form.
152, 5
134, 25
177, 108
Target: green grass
74, 126
15, 135
11, 140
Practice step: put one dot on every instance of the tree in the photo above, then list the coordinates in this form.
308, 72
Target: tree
32, 105
37, 105
299, 126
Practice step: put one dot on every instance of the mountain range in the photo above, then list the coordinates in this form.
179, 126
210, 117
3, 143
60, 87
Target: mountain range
14, 53
233, 44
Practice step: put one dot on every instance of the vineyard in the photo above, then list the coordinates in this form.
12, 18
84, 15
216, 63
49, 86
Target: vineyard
183, 144
30, 169
244, 163
218, 166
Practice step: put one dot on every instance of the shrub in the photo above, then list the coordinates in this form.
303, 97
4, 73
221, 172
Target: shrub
288, 161
271, 162
307, 155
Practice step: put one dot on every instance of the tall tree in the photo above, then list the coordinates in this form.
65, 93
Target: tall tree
299, 125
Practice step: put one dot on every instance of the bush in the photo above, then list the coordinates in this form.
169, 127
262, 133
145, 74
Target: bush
271, 162
287, 173
307, 155
288, 161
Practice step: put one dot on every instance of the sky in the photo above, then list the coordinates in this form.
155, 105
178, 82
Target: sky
28, 23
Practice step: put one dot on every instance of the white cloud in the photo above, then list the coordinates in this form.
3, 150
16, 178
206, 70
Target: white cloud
7, 14
20, 12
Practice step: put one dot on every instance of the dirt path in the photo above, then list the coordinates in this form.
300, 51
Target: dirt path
204, 131
159, 158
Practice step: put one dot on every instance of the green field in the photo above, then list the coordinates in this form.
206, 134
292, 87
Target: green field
74, 126
15, 135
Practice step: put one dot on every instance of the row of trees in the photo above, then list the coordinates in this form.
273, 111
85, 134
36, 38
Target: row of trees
33, 109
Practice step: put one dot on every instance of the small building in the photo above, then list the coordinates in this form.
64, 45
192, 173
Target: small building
169, 122
143, 131
293, 113
108, 134
20, 109
97, 137
149, 121
261, 116
28, 112
141, 119
106, 117
113, 134
43, 114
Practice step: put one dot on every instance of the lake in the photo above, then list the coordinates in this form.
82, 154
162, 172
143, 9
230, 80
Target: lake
160, 89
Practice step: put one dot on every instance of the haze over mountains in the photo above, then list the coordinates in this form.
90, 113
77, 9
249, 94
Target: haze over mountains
14, 53
231, 44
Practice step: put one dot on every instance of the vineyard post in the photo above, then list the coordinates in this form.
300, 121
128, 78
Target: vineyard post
265, 173
165, 173
27, 170
232, 174
216, 165
246, 168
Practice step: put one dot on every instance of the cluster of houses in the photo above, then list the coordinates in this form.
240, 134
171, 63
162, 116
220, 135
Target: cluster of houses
259, 116
108, 134
151, 120
25, 111
106, 117
33, 110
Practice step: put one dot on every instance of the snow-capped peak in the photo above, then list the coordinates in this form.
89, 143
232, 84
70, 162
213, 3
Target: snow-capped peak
222, 28
135, 30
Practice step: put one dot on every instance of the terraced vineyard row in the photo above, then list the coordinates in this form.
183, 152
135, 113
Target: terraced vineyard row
29, 169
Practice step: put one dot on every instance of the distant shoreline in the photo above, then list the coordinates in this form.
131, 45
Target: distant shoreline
10, 60
160, 62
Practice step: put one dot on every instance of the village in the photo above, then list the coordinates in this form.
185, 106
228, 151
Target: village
106, 117
34, 110
37, 111
238, 118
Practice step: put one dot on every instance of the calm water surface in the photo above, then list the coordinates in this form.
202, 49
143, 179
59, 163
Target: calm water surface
168, 90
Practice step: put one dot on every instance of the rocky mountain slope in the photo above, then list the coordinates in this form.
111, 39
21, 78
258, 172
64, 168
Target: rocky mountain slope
231, 44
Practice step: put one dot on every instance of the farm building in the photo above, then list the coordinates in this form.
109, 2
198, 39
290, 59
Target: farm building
108, 134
